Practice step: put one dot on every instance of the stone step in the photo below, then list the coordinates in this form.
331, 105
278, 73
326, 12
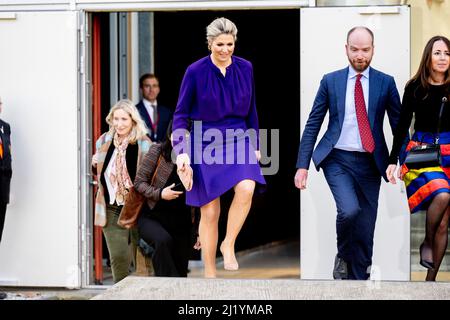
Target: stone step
160, 288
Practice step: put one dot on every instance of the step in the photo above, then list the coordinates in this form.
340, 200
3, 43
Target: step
160, 288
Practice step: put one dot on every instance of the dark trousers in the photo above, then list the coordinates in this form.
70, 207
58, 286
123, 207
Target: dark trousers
355, 183
171, 249
2, 217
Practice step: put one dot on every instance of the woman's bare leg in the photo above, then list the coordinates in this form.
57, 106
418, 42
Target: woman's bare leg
242, 201
209, 232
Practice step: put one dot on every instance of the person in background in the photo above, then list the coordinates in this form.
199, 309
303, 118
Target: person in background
5, 173
427, 188
156, 116
165, 220
118, 154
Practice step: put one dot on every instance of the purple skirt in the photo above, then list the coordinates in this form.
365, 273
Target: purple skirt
222, 154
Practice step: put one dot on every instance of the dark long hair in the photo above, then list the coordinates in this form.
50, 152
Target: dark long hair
424, 71
166, 145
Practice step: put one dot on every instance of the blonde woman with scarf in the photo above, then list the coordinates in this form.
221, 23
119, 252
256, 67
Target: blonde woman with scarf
118, 154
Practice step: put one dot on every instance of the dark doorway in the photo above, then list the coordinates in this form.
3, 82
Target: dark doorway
270, 39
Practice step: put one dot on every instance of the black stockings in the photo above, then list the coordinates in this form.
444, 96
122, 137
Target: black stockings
436, 233
440, 246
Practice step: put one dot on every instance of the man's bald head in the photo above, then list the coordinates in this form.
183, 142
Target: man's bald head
359, 31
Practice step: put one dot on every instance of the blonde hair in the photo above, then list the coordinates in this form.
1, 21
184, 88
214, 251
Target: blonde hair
139, 130
218, 27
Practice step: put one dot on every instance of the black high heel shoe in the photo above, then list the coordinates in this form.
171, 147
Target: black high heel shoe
424, 263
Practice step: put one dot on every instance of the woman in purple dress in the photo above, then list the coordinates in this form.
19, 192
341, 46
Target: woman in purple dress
215, 129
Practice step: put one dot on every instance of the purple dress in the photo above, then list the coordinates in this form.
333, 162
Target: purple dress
220, 113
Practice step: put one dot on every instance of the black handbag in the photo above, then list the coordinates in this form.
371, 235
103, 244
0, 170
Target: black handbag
426, 155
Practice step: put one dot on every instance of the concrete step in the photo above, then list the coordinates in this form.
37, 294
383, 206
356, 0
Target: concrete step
159, 288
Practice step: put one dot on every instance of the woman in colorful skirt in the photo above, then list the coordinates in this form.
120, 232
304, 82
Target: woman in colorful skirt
215, 129
427, 188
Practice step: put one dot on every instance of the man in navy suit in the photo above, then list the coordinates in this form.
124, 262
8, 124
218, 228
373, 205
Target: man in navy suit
5, 174
353, 152
156, 116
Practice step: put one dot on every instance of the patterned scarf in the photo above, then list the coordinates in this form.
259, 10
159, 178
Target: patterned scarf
119, 176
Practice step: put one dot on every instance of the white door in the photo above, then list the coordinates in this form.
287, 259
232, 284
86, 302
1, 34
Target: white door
38, 86
323, 36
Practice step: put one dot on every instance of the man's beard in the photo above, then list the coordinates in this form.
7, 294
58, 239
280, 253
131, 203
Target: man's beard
360, 67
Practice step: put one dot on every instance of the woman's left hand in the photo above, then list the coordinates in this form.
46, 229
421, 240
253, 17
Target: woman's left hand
258, 155
390, 173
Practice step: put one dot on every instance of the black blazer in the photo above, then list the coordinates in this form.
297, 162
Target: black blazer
5, 162
164, 116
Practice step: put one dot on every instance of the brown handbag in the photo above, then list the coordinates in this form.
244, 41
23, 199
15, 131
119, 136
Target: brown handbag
133, 204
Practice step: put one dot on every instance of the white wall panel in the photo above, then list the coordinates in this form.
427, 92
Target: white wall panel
38, 85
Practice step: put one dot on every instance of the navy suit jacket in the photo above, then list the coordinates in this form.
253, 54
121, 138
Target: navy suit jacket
5, 162
383, 97
164, 116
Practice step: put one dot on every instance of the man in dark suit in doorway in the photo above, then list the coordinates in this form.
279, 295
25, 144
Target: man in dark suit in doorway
353, 152
5, 173
156, 116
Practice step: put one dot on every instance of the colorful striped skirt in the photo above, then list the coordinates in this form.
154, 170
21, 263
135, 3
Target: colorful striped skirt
422, 185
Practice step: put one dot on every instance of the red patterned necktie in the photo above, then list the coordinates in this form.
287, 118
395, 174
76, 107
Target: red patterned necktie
361, 116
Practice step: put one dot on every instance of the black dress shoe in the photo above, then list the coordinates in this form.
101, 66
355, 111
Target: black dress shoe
423, 262
340, 270
3, 295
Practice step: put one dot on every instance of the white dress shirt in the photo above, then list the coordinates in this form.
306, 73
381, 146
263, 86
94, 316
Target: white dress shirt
350, 139
111, 166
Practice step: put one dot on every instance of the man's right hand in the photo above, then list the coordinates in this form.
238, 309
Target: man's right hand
300, 178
